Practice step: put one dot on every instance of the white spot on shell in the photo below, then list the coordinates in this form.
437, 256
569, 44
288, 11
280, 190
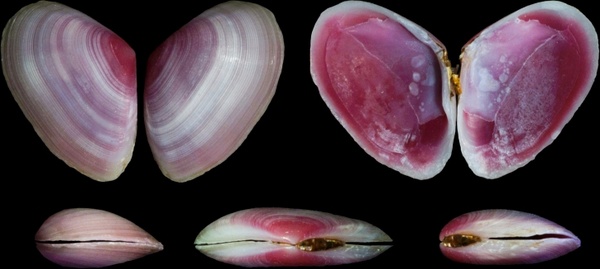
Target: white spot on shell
417, 61
503, 58
413, 88
416, 76
503, 77
487, 83
429, 77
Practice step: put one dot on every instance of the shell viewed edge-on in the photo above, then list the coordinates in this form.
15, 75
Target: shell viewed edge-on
500, 236
265, 237
91, 238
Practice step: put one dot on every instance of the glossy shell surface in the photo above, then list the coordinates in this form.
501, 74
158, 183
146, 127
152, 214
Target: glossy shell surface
90, 238
385, 80
208, 84
75, 81
500, 236
263, 237
522, 79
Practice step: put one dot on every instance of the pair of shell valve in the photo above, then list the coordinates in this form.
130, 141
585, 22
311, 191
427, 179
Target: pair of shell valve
90, 86
389, 82
502, 236
91, 238
264, 237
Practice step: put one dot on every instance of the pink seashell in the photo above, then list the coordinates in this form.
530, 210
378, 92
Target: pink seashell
262, 237
208, 84
87, 238
505, 237
75, 81
522, 80
388, 82
383, 78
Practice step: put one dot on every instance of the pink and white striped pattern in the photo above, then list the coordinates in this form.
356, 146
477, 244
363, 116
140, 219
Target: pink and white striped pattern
75, 81
90, 238
208, 84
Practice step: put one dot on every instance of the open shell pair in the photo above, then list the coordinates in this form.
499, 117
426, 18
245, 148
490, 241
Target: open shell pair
390, 84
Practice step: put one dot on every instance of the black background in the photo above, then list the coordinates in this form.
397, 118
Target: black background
297, 156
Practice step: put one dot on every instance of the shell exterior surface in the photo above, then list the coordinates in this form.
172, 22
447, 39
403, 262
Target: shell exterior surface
85, 238
523, 78
75, 81
208, 84
507, 237
262, 237
385, 79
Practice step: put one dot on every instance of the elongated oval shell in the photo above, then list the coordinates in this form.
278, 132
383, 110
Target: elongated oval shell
522, 79
208, 84
386, 80
75, 82
86, 238
501, 236
262, 237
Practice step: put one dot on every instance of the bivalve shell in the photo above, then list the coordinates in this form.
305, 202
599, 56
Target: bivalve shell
500, 236
75, 81
263, 237
86, 238
208, 84
385, 79
522, 80
389, 83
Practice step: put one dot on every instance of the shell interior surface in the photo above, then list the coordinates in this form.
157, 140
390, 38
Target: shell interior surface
208, 84
522, 80
87, 238
389, 84
75, 81
500, 236
263, 237
384, 78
